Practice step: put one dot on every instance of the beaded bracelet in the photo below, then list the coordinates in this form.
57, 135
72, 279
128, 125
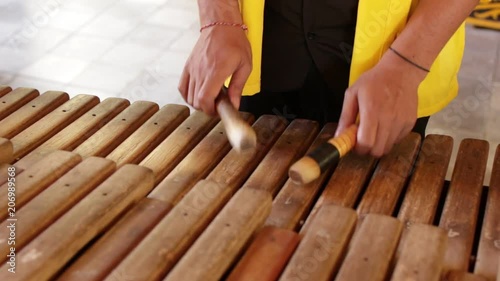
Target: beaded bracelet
242, 26
408, 60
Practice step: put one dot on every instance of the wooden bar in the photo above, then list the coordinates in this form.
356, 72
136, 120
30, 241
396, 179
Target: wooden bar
389, 178
14, 100
267, 256
235, 168
347, 181
172, 150
193, 167
217, 247
6, 151
57, 199
52, 123
372, 249
35, 179
149, 135
294, 200
291, 145
426, 185
78, 131
422, 254
102, 142
52, 249
113, 247
488, 255
463, 276
319, 254
461, 208
160, 250
154, 257
4, 90
31, 112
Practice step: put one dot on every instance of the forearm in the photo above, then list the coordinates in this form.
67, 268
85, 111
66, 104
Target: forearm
219, 10
430, 27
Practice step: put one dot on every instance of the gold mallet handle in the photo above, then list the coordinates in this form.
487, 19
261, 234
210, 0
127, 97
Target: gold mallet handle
240, 134
311, 166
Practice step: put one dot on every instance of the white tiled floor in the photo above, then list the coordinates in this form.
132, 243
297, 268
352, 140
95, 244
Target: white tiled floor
136, 49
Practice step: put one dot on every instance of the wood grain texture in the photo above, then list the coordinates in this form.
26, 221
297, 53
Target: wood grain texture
113, 247
461, 208
51, 124
235, 168
389, 178
426, 185
293, 202
160, 250
78, 131
4, 90
38, 177
196, 165
463, 276
14, 100
323, 246
163, 159
217, 247
347, 181
31, 112
422, 254
149, 135
154, 257
291, 145
54, 201
6, 151
52, 249
488, 256
102, 142
372, 249
267, 256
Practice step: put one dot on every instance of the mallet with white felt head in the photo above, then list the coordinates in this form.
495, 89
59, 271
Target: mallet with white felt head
240, 134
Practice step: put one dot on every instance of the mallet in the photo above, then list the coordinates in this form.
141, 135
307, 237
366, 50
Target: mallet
240, 134
311, 166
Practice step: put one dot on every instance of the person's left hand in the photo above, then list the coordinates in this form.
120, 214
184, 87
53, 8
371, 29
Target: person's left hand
386, 99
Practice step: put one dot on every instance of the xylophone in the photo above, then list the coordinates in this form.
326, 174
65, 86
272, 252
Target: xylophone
108, 190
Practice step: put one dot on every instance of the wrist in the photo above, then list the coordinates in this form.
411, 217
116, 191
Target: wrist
393, 62
219, 11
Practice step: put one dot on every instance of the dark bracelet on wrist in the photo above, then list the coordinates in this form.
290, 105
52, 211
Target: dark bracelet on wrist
409, 61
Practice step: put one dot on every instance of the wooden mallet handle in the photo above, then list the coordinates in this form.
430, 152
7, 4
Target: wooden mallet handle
311, 166
240, 134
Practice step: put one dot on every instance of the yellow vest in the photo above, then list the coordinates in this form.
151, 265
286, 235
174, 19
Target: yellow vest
378, 24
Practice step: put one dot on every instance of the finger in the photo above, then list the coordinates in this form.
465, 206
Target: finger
237, 84
381, 142
208, 92
368, 126
191, 92
405, 131
392, 140
350, 110
183, 86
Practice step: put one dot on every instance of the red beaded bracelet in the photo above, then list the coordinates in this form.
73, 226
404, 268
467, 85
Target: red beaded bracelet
242, 26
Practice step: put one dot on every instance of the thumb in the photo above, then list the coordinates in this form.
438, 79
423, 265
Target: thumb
236, 85
350, 110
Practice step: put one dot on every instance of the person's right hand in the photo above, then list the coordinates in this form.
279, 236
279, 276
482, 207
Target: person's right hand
221, 51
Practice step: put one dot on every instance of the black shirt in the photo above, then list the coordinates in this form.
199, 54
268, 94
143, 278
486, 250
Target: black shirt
302, 33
